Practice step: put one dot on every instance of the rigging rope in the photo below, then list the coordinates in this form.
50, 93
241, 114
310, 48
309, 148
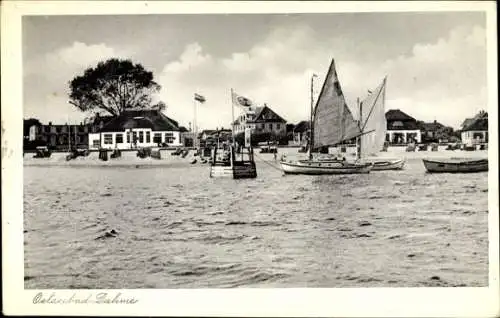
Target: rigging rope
268, 163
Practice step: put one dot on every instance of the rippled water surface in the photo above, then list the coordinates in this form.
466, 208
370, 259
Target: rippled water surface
174, 227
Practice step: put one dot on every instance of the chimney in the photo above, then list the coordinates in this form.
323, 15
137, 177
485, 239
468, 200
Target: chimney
435, 121
50, 123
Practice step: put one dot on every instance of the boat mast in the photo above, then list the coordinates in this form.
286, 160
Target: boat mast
311, 119
358, 146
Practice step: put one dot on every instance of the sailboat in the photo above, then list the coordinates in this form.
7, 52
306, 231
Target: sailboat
372, 118
332, 124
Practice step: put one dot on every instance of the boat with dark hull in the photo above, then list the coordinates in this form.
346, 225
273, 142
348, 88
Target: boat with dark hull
455, 165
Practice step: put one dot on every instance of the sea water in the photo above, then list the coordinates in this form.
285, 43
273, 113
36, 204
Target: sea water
174, 227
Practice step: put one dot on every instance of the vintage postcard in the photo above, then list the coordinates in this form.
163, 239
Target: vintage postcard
250, 158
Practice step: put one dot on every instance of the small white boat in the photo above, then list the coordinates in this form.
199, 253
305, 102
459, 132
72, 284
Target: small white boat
389, 164
324, 167
456, 165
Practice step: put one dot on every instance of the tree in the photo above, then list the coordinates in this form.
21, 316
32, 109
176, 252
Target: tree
113, 86
27, 123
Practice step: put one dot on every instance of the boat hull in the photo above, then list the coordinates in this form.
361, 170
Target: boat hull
323, 167
456, 166
397, 164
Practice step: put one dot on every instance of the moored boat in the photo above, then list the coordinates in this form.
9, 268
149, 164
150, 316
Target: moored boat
390, 164
324, 167
456, 165
332, 124
372, 121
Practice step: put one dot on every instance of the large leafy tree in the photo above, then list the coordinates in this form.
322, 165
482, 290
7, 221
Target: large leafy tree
113, 86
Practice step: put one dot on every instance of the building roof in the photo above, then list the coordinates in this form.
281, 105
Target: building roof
397, 120
153, 119
467, 122
264, 114
480, 124
302, 126
434, 126
396, 114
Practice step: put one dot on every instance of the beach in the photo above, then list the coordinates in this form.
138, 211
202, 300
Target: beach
165, 224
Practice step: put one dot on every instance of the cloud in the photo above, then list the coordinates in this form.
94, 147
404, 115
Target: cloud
444, 80
46, 79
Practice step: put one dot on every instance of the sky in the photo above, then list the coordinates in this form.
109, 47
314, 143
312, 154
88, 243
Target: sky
435, 63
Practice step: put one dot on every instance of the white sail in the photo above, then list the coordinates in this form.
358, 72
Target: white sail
373, 122
333, 121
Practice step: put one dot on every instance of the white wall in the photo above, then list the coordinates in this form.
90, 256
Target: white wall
468, 137
109, 140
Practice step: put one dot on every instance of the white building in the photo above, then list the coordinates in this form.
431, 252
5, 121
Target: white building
401, 128
261, 119
137, 129
475, 130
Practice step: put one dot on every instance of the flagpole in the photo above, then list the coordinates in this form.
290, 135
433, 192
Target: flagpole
232, 117
358, 145
195, 125
311, 120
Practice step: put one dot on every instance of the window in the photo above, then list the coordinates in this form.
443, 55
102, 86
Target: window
270, 126
128, 137
119, 138
278, 126
157, 138
169, 137
141, 137
108, 139
95, 143
134, 137
148, 137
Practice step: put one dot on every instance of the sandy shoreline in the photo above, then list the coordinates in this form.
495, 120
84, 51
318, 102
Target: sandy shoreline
129, 158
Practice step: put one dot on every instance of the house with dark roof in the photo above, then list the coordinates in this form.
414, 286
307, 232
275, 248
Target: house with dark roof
301, 132
475, 130
434, 131
260, 120
401, 128
137, 129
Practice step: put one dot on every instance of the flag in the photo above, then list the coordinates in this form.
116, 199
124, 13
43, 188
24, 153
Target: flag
199, 98
242, 101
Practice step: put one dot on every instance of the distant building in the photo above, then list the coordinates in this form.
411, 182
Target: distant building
475, 130
210, 137
262, 119
435, 132
301, 132
60, 137
401, 128
136, 129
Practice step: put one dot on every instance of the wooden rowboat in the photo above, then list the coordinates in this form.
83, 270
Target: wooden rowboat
456, 165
